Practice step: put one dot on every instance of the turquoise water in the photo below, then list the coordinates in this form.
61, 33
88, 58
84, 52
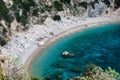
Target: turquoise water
98, 45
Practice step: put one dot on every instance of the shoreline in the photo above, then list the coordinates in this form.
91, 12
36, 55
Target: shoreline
24, 46
63, 34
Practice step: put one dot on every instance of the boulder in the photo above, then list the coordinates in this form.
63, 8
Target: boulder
2, 58
66, 54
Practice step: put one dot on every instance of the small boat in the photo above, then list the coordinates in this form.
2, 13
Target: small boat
66, 54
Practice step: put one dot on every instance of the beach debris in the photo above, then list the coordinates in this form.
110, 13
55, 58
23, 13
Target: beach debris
51, 33
66, 54
39, 39
41, 43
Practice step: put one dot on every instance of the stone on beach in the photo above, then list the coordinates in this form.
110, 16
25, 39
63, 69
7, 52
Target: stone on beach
41, 43
27, 45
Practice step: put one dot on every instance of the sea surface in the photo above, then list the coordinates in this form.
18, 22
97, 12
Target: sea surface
97, 45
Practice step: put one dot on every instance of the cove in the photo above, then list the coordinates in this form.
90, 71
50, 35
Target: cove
97, 45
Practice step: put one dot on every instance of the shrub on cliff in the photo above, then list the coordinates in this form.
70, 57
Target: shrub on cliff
66, 1
12, 71
107, 2
117, 3
93, 72
56, 18
4, 12
2, 41
83, 4
57, 5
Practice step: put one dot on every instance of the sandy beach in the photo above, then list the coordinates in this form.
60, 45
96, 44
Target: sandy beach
65, 33
26, 45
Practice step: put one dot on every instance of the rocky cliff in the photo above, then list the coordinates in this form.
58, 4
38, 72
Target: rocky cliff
17, 15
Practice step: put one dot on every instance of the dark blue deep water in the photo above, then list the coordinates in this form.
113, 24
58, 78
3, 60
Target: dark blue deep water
98, 45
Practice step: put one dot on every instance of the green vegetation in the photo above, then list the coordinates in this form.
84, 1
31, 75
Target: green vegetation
65, 1
93, 72
35, 12
16, 1
3, 37
107, 2
4, 12
1, 75
92, 4
57, 5
30, 8
16, 74
48, 8
28, 4
117, 3
56, 18
12, 71
24, 10
2, 41
25, 7
96, 1
83, 4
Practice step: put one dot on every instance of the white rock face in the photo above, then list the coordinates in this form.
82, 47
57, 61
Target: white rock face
1, 29
3, 23
98, 9
14, 26
9, 3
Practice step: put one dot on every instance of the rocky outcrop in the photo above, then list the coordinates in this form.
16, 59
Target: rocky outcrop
93, 72
4, 37
18, 16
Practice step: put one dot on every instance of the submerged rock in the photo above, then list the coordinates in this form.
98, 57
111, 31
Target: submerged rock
58, 76
76, 70
60, 66
66, 54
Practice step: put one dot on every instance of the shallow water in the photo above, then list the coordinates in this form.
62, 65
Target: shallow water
98, 45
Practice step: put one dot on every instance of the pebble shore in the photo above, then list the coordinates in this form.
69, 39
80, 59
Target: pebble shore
23, 44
